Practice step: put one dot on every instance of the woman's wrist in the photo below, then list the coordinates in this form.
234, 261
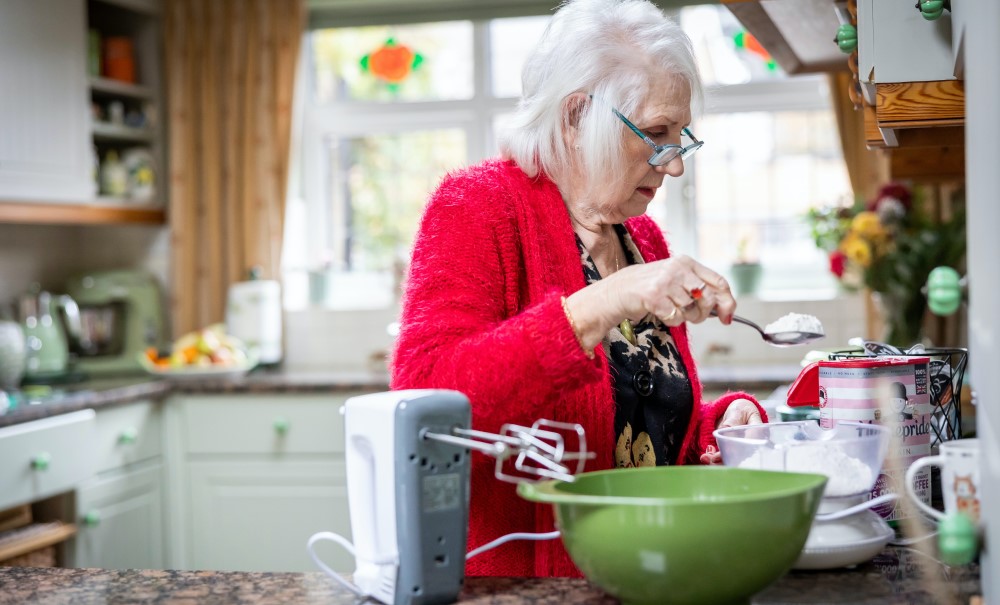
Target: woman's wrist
591, 324
589, 351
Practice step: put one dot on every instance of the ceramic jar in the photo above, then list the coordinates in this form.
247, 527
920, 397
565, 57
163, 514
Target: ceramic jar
13, 354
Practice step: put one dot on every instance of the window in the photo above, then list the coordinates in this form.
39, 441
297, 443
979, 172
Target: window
772, 151
372, 151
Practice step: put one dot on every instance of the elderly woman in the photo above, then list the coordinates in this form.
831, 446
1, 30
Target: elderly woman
540, 289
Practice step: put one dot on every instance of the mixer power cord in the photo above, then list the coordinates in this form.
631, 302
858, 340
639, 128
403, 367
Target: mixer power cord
329, 536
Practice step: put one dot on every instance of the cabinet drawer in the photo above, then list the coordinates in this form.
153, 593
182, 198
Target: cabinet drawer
46, 457
260, 424
128, 434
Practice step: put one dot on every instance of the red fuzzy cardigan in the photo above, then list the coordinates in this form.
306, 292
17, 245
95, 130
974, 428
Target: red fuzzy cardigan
482, 315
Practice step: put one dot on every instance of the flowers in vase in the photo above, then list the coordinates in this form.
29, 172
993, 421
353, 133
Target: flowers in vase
889, 244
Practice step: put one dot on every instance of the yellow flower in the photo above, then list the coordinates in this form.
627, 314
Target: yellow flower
867, 225
857, 249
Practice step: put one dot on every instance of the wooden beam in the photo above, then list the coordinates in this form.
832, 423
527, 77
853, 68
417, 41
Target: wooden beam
781, 37
756, 21
43, 213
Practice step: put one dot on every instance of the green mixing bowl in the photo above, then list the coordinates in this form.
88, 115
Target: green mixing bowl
698, 535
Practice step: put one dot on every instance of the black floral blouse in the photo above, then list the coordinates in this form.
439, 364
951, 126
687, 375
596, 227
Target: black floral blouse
653, 396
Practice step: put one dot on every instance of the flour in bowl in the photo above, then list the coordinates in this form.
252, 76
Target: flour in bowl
795, 322
847, 475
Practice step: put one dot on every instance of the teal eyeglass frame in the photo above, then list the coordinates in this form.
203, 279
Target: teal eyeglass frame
664, 154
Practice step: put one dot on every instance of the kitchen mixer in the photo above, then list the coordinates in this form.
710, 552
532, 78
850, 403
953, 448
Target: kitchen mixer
846, 531
121, 315
408, 458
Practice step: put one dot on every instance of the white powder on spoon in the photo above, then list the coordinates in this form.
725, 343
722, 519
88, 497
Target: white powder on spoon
847, 475
795, 322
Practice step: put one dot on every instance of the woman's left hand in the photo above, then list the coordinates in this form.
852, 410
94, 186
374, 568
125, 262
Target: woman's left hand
740, 411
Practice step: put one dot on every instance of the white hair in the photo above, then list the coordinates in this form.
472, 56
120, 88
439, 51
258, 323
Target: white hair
606, 48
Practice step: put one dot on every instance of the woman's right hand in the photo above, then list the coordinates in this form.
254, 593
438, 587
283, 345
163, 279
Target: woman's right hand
669, 290
662, 288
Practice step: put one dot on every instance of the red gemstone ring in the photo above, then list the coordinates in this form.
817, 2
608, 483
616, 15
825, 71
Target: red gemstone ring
698, 291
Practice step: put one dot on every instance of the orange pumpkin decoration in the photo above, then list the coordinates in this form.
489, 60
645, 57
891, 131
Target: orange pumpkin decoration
392, 62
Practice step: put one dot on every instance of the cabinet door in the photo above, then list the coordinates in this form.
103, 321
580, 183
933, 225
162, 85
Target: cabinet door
44, 123
258, 515
120, 520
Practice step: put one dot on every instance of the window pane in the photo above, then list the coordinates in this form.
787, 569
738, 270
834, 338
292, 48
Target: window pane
725, 52
440, 68
511, 41
755, 182
376, 204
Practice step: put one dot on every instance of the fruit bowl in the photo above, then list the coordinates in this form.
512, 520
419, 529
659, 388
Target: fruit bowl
195, 372
682, 535
205, 353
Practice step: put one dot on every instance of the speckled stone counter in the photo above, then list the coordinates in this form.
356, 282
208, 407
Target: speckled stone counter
900, 576
40, 402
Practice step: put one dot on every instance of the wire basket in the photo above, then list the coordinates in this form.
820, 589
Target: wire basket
946, 373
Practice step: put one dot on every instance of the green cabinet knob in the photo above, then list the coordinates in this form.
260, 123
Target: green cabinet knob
958, 539
281, 425
41, 461
933, 9
944, 291
92, 518
847, 38
128, 436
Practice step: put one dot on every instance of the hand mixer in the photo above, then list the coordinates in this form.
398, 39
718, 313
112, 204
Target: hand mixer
408, 487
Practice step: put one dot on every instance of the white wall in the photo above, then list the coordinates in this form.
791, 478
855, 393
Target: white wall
714, 344
50, 255
317, 339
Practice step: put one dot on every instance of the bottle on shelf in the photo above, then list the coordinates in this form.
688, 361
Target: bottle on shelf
114, 176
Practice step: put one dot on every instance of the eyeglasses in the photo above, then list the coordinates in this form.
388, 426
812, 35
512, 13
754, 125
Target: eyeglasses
664, 154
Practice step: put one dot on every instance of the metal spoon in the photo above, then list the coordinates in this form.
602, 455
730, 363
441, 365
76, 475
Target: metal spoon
779, 339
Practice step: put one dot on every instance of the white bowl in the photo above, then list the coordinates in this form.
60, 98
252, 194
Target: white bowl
850, 454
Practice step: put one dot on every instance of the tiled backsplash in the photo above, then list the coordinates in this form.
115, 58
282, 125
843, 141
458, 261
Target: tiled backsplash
357, 340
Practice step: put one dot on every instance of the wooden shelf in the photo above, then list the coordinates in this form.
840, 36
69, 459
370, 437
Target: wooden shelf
145, 7
43, 213
26, 539
114, 132
123, 89
917, 114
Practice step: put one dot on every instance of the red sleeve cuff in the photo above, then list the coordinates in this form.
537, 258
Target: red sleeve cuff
714, 413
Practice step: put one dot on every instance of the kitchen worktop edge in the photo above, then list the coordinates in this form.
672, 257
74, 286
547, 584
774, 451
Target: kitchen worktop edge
107, 392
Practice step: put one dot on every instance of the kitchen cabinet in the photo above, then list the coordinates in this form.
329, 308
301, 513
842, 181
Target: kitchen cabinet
120, 510
255, 476
46, 457
907, 70
54, 116
120, 520
44, 145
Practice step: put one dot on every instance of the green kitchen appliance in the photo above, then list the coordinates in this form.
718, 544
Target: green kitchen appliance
121, 315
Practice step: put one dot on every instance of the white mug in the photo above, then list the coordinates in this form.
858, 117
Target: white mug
959, 462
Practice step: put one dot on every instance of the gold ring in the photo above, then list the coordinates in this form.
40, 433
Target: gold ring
671, 316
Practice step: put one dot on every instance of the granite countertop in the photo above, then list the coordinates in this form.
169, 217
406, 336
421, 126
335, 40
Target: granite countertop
42, 401
898, 576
